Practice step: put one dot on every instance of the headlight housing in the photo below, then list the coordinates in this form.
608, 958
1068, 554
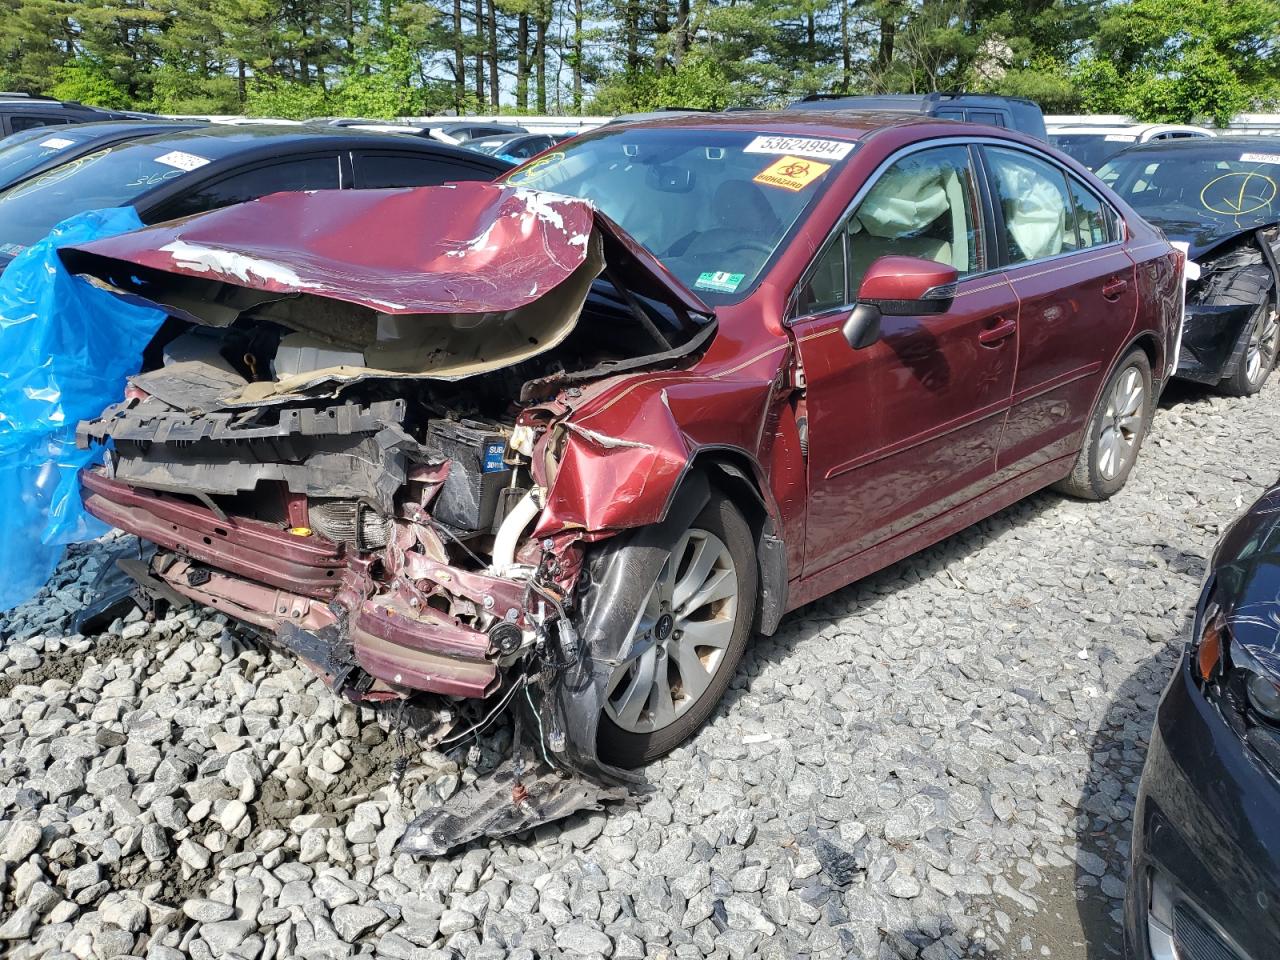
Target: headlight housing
1232, 679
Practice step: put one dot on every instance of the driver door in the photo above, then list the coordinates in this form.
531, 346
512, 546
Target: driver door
908, 428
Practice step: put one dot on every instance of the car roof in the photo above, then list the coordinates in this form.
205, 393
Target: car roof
840, 124
218, 141
1135, 129
112, 128
1211, 145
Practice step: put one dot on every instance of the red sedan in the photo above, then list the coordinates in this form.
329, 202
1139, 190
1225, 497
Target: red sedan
498, 443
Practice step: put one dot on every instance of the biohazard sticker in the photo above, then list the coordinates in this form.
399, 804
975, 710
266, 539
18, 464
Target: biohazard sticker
801, 146
791, 173
182, 160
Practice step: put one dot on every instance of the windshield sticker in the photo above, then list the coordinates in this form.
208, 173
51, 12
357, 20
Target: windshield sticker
1119, 138
182, 160
56, 143
1235, 194
801, 146
1260, 158
791, 173
718, 281
536, 169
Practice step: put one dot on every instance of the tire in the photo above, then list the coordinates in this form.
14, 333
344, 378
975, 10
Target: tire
1117, 425
1255, 355
628, 738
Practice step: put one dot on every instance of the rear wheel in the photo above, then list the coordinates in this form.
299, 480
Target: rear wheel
686, 642
1115, 431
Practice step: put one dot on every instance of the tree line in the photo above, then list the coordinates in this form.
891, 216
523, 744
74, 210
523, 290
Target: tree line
1172, 60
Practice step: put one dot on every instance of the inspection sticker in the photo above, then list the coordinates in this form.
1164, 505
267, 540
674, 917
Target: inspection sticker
801, 146
1260, 158
182, 160
791, 173
56, 143
718, 281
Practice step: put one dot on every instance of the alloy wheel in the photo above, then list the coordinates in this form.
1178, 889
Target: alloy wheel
1121, 424
679, 640
1261, 354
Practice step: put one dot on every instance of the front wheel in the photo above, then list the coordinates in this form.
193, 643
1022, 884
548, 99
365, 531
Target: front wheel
1115, 431
686, 642
1258, 357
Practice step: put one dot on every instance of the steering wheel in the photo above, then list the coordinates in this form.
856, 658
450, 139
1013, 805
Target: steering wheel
759, 246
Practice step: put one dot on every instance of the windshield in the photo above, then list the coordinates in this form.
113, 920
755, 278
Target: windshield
23, 152
1227, 185
1092, 149
110, 177
712, 205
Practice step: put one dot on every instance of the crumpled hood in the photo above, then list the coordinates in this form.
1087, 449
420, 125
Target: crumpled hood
460, 248
457, 248
1247, 568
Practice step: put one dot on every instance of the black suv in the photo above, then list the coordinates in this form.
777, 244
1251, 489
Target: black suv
22, 111
1014, 113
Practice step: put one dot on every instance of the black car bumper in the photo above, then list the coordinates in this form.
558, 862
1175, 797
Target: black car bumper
1207, 835
1212, 340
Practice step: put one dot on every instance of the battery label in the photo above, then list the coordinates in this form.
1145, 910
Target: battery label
493, 457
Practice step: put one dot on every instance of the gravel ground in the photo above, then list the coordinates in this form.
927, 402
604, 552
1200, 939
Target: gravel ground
939, 761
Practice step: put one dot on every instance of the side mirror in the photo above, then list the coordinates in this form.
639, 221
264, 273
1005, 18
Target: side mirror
895, 286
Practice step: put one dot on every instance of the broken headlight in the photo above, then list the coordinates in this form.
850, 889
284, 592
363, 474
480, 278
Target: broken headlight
1244, 691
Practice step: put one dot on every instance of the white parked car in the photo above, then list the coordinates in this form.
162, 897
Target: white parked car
1093, 144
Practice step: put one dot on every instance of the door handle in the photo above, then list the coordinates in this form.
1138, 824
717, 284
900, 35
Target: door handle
993, 335
1112, 289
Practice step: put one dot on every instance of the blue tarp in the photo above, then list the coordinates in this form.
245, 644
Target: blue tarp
67, 348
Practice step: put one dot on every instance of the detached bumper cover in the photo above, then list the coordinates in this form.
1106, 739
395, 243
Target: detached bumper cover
1208, 817
296, 588
1210, 338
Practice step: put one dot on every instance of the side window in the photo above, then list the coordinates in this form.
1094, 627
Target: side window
990, 117
1033, 198
304, 173
1088, 221
825, 287
375, 170
925, 205
26, 122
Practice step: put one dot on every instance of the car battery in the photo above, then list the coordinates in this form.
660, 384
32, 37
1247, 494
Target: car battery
477, 474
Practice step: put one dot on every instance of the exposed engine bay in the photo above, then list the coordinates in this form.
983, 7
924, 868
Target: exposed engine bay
363, 480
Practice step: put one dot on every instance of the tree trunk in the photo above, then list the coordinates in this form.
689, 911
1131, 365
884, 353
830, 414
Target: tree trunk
884, 56
846, 55
811, 35
522, 61
681, 44
661, 27
631, 34
479, 41
240, 80
459, 60
577, 57
495, 92
540, 60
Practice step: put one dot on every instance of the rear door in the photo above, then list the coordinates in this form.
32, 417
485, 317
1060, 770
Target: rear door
909, 427
320, 171
1075, 284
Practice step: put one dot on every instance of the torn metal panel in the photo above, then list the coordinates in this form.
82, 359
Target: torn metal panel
504, 802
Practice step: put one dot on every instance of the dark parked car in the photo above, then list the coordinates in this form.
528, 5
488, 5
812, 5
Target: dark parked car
1205, 859
176, 174
571, 455
36, 150
1218, 196
22, 111
515, 147
1013, 113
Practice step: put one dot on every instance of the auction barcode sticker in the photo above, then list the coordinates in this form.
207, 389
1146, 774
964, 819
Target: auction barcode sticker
182, 160
800, 146
1119, 138
56, 143
1260, 158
